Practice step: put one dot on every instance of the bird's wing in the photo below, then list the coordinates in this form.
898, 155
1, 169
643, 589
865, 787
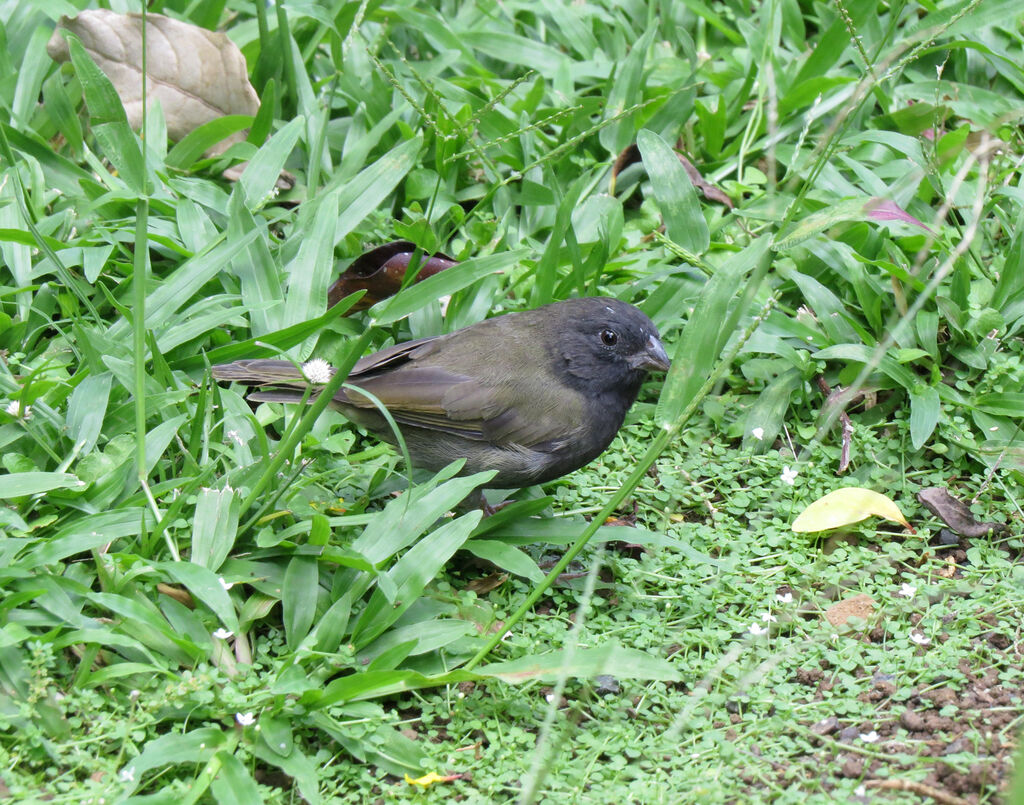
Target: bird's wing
438, 399
493, 403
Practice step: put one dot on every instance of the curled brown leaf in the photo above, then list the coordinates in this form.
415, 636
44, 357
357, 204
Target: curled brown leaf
380, 272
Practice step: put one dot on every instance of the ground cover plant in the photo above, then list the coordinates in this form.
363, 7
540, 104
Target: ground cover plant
818, 204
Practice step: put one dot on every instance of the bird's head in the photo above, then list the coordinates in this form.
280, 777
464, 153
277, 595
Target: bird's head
607, 345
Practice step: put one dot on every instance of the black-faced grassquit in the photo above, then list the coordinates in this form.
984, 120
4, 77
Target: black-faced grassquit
533, 395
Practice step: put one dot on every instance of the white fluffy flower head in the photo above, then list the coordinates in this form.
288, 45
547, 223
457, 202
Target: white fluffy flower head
317, 370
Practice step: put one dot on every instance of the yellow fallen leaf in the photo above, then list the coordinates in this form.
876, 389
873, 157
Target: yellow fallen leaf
429, 779
846, 506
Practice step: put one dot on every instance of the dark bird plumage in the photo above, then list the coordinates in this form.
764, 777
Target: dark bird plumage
533, 395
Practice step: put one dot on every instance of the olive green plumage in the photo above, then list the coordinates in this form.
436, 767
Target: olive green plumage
533, 395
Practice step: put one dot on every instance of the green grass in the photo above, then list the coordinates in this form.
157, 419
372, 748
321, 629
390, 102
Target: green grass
199, 602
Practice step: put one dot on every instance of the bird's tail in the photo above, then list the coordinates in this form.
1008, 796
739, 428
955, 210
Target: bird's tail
284, 379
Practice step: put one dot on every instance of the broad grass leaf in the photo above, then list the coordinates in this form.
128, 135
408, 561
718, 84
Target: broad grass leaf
268, 344
178, 289
30, 74
298, 598
417, 638
925, 409
107, 118
507, 557
386, 747
233, 784
296, 765
626, 90
404, 520
143, 621
865, 354
856, 209
193, 748
411, 574
676, 195
32, 483
1006, 403
847, 506
309, 273
204, 585
261, 173
196, 75
768, 411
511, 48
201, 139
447, 282
362, 194
159, 438
85, 534
332, 627
581, 663
710, 325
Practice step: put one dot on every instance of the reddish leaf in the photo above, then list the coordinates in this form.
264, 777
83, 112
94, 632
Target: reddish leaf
380, 273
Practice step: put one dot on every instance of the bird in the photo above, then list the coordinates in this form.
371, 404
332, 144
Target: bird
533, 395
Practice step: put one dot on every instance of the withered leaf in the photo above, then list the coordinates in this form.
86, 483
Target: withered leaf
956, 514
197, 75
380, 272
858, 606
631, 154
485, 584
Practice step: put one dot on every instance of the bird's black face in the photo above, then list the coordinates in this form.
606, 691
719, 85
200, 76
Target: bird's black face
609, 346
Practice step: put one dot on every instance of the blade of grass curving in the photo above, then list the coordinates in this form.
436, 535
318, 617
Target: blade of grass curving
42, 242
682, 399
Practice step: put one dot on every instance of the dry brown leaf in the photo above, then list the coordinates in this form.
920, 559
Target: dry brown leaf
179, 594
956, 514
485, 584
380, 272
858, 606
196, 74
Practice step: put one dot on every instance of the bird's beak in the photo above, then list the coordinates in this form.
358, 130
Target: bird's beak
653, 358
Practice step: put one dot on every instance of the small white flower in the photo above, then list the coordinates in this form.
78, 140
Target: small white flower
870, 737
127, 774
860, 791
222, 633
757, 433
549, 698
317, 370
788, 475
245, 719
14, 409
227, 585
134, 694
907, 590
767, 617
784, 598
920, 639
757, 629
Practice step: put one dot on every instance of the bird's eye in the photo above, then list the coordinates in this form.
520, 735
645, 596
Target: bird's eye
609, 338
